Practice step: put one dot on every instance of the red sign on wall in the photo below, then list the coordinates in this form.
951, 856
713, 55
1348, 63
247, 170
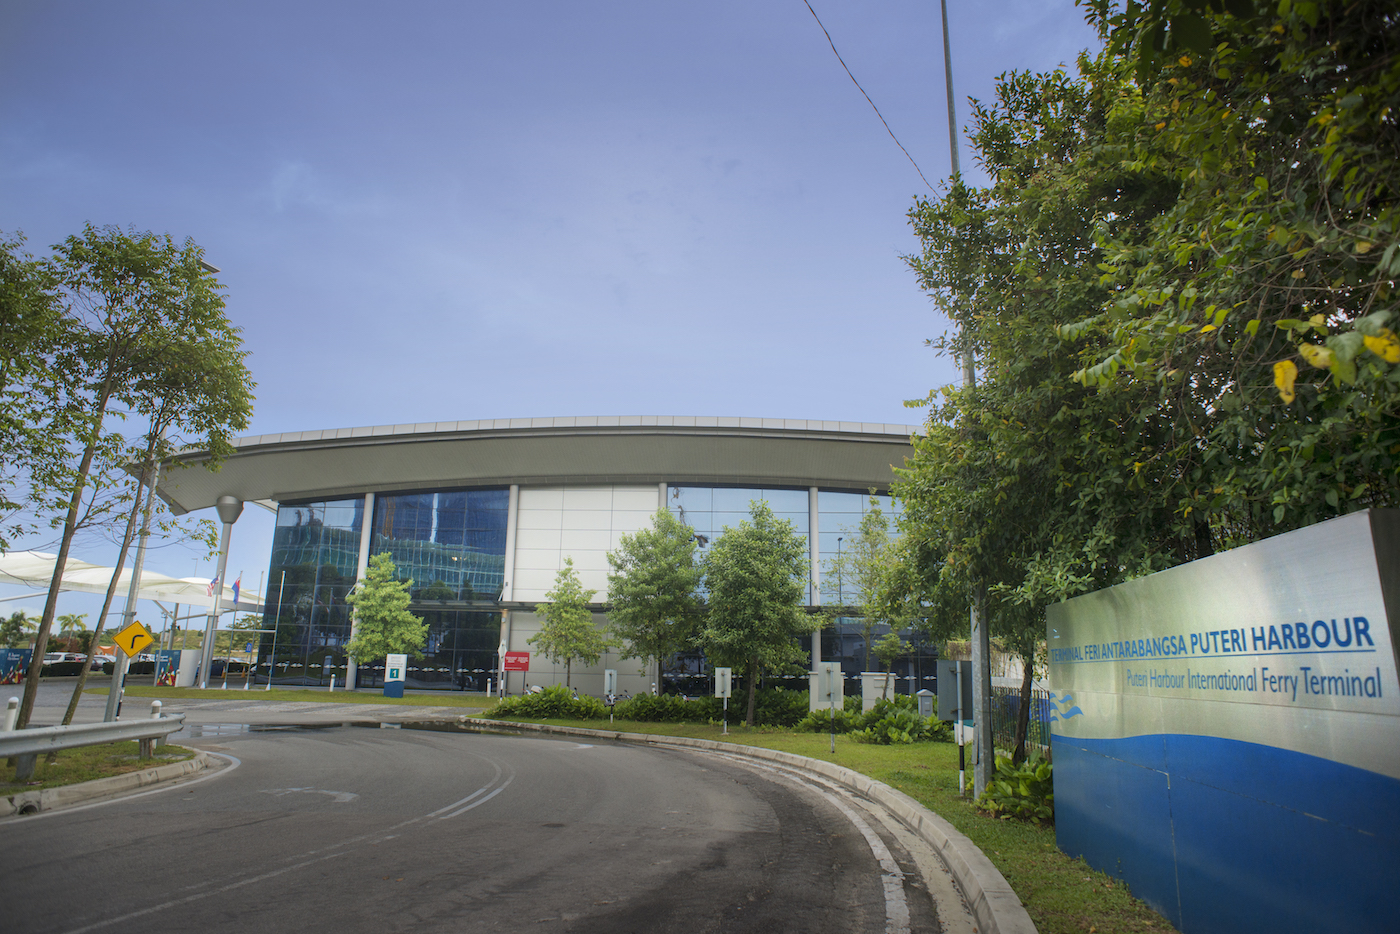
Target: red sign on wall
517, 661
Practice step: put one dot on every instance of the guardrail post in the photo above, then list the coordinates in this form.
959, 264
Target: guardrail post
24, 765
148, 745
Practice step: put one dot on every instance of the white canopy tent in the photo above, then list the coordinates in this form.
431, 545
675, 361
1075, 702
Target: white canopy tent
35, 569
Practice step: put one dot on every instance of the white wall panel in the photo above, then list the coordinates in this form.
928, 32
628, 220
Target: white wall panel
582, 523
644, 499
540, 519
597, 497
572, 540
547, 559
528, 539
587, 519
542, 497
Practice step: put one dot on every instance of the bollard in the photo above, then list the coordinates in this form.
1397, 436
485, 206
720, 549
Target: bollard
332, 690
11, 714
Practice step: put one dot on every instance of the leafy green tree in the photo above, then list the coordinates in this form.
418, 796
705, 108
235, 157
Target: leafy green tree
147, 334
890, 647
1262, 305
14, 631
863, 567
71, 626
653, 589
756, 574
383, 624
568, 631
32, 414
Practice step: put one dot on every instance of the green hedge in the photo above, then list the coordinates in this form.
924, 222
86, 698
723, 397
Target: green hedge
556, 702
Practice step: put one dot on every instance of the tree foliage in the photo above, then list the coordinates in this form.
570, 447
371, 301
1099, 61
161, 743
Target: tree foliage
1150, 254
864, 567
568, 630
142, 334
383, 624
1180, 290
653, 589
756, 574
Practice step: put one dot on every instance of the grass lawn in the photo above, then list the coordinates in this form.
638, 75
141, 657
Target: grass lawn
283, 695
89, 762
1062, 895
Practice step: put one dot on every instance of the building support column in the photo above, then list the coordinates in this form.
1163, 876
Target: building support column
814, 549
229, 509
512, 520
352, 668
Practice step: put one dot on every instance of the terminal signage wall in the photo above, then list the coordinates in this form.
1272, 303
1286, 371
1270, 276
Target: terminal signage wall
1227, 732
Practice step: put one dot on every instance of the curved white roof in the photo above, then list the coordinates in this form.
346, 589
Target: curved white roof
542, 451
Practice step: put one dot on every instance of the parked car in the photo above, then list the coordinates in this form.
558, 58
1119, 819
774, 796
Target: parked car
99, 660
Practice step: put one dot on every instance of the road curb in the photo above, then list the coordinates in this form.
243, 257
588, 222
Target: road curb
995, 906
50, 799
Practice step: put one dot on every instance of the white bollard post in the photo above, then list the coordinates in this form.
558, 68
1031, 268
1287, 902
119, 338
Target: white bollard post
332, 690
11, 714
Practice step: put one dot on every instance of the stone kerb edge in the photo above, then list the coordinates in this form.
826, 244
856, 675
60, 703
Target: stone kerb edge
49, 799
993, 902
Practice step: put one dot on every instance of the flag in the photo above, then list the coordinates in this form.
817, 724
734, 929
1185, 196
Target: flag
235, 587
212, 584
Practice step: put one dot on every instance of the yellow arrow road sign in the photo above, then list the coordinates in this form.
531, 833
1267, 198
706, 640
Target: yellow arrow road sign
133, 639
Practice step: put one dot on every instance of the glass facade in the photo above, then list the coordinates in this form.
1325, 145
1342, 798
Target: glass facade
451, 544
707, 510
315, 551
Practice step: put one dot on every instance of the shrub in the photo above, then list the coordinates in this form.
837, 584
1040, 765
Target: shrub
554, 702
894, 725
821, 721
775, 707
666, 708
1026, 791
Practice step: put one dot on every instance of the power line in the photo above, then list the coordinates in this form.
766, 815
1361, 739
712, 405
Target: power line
867, 96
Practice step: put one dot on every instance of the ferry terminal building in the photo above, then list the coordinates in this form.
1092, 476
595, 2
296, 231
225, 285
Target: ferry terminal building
482, 514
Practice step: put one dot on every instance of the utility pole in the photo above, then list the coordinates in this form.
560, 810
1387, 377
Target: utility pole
980, 642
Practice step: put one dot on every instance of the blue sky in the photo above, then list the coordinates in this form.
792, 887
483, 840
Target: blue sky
462, 210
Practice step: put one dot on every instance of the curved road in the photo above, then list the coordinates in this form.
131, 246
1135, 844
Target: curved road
352, 829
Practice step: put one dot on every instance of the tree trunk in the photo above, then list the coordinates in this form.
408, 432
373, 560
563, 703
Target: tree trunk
568, 672
41, 639
753, 689
1023, 715
130, 533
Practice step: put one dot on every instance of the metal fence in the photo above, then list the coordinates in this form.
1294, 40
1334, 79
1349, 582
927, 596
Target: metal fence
1006, 703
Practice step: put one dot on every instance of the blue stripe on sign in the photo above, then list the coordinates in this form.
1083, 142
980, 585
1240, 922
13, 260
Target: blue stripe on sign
1223, 836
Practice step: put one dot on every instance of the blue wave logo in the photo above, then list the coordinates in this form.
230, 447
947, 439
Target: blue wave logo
1063, 710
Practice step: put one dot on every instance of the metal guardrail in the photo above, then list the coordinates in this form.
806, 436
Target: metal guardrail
26, 745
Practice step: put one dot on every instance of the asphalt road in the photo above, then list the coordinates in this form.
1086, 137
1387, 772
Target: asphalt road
352, 829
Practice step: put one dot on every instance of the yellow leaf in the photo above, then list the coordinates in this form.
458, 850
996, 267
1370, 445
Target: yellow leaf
1184, 61
1298, 274
1317, 320
1285, 374
1320, 357
1208, 327
1176, 105
1363, 247
1386, 346
1324, 118
1160, 126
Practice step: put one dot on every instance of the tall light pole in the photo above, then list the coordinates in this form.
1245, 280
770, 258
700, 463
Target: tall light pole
980, 639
